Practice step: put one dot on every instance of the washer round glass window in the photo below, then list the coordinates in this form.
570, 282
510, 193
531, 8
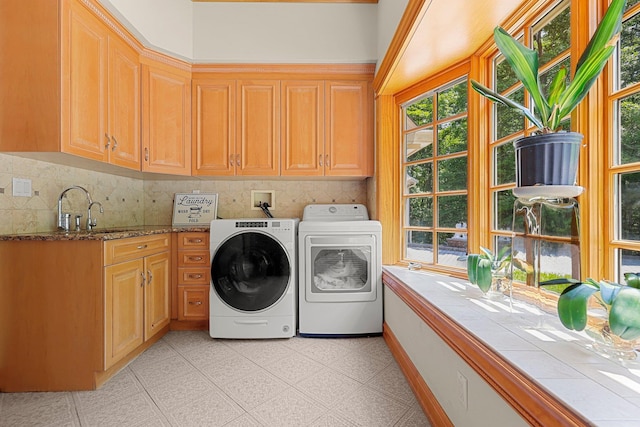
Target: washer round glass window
250, 271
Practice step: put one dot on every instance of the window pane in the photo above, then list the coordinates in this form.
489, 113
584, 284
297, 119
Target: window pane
509, 120
420, 210
631, 3
505, 161
452, 249
419, 246
629, 129
505, 77
553, 38
419, 113
557, 260
452, 101
629, 187
452, 136
452, 174
419, 178
629, 263
419, 145
558, 219
504, 209
452, 211
629, 48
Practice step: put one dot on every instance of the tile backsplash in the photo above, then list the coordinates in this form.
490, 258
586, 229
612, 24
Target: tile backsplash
133, 202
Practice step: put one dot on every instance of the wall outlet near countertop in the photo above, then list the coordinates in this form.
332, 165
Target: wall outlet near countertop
21, 187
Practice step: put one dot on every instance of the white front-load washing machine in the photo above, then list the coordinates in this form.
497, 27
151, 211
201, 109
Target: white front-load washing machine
253, 278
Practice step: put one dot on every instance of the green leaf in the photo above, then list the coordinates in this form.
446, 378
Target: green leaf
609, 26
483, 274
557, 86
486, 254
496, 97
609, 291
472, 265
524, 62
572, 305
624, 316
632, 279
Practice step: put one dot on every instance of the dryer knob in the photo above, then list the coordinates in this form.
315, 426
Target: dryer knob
333, 209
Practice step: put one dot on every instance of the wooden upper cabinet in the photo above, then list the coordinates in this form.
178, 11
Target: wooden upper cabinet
84, 83
258, 128
166, 121
348, 128
214, 118
302, 128
124, 105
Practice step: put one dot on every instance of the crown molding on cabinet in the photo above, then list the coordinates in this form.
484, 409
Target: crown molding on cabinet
285, 1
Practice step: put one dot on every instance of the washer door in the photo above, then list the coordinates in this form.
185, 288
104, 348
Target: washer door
250, 271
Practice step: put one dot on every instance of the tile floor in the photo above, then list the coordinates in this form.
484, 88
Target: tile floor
189, 379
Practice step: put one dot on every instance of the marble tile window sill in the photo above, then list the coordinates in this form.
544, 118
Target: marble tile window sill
535, 344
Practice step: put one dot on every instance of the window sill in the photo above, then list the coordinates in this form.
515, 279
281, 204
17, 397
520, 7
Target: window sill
543, 370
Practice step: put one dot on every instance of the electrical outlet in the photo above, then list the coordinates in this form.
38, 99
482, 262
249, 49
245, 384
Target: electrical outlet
21, 187
463, 390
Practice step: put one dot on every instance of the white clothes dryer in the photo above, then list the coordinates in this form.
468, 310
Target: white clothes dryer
253, 278
340, 265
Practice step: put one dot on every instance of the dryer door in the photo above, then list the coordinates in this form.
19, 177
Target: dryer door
340, 268
250, 271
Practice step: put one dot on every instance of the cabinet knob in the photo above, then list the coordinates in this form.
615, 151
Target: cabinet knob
195, 302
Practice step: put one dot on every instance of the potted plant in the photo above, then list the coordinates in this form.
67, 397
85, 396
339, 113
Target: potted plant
491, 272
551, 157
620, 302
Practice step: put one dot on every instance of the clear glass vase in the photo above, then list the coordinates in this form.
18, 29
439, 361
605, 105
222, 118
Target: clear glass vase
500, 282
609, 345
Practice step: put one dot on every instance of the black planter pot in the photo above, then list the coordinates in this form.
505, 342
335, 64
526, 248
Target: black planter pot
547, 159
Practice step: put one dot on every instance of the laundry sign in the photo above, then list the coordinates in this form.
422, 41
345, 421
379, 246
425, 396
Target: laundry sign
194, 209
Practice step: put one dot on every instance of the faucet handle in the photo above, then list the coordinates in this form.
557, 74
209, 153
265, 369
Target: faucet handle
78, 222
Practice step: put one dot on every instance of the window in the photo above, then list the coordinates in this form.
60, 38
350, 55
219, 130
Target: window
434, 165
623, 171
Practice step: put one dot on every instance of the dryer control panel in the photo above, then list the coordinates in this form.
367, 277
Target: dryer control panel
335, 212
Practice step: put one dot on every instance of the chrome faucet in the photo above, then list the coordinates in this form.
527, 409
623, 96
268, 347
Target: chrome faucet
62, 223
92, 222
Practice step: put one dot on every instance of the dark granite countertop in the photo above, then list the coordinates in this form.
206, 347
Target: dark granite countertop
101, 233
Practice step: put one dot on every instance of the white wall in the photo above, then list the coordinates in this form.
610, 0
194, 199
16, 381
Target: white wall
164, 25
389, 14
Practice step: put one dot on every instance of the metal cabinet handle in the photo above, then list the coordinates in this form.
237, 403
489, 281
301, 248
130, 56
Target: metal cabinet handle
195, 258
195, 302
195, 240
231, 162
144, 279
320, 159
195, 276
150, 277
106, 146
326, 160
237, 159
115, 143
146, 154
142, 247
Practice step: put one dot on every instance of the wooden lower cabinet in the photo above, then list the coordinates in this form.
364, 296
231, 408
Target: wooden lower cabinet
191, 281
136, 294
74, 312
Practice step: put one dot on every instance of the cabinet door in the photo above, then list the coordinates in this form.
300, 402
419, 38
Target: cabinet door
348, 121
302, 128
156, 293
166, 121
124, 105
124, 309
258, 127
214, 121
84, 83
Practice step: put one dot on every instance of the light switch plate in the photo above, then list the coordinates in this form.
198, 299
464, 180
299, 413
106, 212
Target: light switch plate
21, 187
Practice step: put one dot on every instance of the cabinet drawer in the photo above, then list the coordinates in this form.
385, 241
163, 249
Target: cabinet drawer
193, 241
120, 250
193, 258
193, 302
193, 276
